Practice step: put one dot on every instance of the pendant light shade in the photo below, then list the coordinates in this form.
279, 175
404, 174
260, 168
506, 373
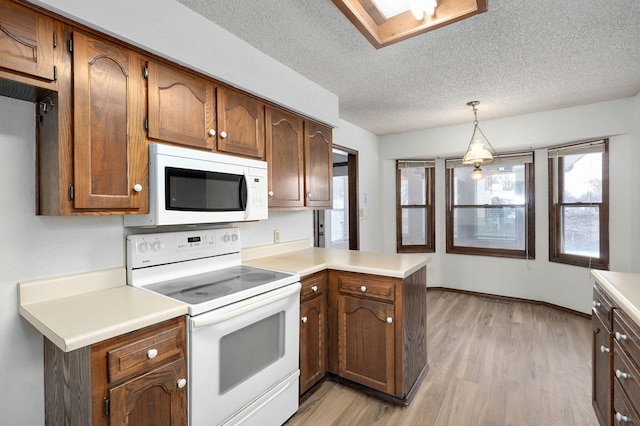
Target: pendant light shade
480, 150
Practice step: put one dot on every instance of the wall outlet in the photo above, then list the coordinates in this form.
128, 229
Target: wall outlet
276, 236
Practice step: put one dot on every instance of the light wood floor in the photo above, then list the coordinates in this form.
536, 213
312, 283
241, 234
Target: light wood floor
492, 362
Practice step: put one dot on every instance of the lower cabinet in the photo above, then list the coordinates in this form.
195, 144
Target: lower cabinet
137, 379
602, 356
377, 332
313, 324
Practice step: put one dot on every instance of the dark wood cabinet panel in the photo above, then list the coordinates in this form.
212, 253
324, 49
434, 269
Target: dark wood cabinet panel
26, 41
182, 107
602, 385
367, 342
109, 150
312, 342
241, 128
318, 153
151, 399
285, 142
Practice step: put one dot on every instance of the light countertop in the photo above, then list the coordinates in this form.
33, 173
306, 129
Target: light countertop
309, 260
79, 310
624, 290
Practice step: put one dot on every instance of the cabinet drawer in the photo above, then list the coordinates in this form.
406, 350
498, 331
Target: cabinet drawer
313, 286
144, 353
623, 411
627, 334
626, 373
366, 285
602, 306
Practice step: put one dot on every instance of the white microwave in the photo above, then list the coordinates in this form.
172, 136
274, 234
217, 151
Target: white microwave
187, 186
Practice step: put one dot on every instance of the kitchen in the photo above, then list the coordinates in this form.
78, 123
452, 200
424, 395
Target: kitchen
37, 246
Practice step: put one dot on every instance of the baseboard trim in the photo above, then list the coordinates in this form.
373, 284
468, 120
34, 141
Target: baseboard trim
512, 299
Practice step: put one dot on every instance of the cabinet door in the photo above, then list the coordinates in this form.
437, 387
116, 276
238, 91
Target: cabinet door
110, 167
284, 154
318, 151
152, 399
602, 385
240, 124
312, 342
26, 41
181, 107
366, 342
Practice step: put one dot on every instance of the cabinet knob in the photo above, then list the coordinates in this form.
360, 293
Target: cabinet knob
620, 336
137, 187
223, 134
604, 350
270, 193
622, 418
314, 288
182, 383
363, 288
152, 353
304, 319
596, 304
389, 320
308, 195
622, 375
212, 132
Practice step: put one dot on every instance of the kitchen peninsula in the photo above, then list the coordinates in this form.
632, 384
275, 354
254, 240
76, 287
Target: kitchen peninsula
363, 316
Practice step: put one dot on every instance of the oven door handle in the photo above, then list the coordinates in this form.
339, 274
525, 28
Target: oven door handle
215, 318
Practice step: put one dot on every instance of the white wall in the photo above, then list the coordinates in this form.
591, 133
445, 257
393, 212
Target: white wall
537, 279
366, 143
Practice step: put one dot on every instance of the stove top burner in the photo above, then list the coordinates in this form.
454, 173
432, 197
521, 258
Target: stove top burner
216, 284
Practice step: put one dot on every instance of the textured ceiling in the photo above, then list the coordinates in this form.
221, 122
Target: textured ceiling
520, 56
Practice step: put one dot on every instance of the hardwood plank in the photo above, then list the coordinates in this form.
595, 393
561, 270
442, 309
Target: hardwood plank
492, 362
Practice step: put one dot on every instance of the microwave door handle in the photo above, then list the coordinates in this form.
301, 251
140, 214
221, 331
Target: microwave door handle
245, 195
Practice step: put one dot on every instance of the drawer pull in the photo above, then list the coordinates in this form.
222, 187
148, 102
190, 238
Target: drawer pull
152, 353
604, 350
622, 375
389, 320
314, 288
596, 304
620, 336
363, 288
182, 383
622, 418
304, 319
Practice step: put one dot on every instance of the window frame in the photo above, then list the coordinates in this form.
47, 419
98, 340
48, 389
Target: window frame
429, 206
555, 210
529, 211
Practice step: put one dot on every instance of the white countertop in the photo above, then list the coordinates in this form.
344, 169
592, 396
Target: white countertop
82, 309
624, 290
309, 260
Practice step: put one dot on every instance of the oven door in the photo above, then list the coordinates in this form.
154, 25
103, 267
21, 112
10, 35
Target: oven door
241, 352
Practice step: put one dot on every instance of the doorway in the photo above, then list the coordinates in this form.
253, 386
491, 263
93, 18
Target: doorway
339, 226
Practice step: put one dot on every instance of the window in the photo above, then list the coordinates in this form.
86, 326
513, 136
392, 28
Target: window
579, 204
494, 215
415, 221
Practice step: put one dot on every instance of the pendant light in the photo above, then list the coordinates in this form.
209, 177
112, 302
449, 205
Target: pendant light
480, 149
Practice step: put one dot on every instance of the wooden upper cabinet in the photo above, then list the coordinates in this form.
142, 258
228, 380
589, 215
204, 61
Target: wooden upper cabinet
240, 124
318, 150
285, 141
181, 107
110, 152
26, 41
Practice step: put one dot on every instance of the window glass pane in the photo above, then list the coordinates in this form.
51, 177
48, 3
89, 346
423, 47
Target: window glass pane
412, 186
413, 227
581, 231
582, 178
502, 184
497, 227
